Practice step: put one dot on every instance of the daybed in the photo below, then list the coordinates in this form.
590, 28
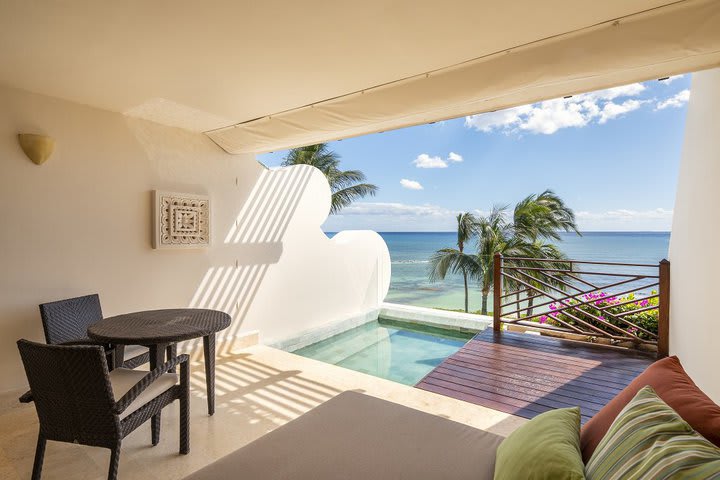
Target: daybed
356, 436
674, 428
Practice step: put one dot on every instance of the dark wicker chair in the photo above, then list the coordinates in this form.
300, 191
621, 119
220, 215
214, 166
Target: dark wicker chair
65, 322
79, 400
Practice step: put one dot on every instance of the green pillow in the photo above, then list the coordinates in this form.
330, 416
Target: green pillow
648, 439
546, 447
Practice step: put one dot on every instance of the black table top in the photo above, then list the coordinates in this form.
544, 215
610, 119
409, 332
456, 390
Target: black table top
154, 327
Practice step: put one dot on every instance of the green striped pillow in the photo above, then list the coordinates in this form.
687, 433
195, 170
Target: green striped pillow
649, 440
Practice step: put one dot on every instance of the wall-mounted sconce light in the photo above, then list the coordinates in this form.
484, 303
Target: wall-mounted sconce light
38, 148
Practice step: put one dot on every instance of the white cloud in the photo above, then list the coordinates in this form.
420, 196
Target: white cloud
658, 219
426, 161
454, 157
632, 90
613, 110
625, 214
671, 79
392, 217
410, 184
487, 122
676, 101
398, 217
393, 209
552, 115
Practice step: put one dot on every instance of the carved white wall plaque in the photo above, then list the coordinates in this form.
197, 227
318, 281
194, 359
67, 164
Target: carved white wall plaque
182, 220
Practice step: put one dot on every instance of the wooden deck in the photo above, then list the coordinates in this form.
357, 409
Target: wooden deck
526, 375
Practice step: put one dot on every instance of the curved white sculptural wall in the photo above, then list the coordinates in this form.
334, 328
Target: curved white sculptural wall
296, 278
81, 223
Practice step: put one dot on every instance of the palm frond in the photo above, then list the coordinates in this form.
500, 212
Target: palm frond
450, 260
346, 196
345, 185
344, 178
543, 215
466, 229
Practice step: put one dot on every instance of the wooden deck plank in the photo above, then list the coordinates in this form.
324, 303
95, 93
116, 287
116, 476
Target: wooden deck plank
542, 366
549, 379
582, 351
550, 382
560, 355
527, 375
522, 387
554, 400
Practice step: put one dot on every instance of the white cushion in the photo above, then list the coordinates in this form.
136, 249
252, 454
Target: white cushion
132, 351
123, 379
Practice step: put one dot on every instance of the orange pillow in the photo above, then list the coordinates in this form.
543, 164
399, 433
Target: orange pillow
674, 387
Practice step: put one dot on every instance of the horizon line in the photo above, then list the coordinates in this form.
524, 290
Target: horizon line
453, 231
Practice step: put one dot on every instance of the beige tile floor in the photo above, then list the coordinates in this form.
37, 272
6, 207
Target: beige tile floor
258, 389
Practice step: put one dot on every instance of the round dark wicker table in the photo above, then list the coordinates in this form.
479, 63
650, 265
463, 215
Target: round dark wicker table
160, 330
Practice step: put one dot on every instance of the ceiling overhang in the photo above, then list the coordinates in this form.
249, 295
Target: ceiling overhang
260, 76
675, 39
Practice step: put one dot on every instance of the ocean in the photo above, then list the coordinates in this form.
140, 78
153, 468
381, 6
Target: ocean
409, 253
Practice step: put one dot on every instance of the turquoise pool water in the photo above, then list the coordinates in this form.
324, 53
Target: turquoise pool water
397, 351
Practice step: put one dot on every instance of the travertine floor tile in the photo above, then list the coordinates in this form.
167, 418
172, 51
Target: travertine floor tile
258, 389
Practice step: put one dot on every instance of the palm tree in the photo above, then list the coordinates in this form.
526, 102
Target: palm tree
536, 218
543, 251
496, 235
346, 185
543, 216
455, 260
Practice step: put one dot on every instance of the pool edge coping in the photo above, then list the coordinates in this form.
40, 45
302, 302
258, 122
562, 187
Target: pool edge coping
431, 317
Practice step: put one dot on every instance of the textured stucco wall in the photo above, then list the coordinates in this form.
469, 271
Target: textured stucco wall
81, 223
695, 265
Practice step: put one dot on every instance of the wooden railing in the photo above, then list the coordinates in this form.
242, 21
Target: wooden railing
624, 304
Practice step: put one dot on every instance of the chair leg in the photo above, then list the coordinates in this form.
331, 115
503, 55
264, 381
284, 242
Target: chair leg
155, 427
209, 348
114, 462
184, 409
172, 353
119, 353
39, 457
157, 354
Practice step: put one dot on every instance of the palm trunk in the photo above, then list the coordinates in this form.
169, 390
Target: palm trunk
530, 300
466, 291
485, 294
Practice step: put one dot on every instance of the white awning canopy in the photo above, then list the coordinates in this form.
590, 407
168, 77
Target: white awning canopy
677, 38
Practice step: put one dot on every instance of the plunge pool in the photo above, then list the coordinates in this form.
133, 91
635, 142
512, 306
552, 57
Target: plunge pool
398, 351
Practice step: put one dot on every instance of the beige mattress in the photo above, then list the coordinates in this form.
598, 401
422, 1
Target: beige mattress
355, 436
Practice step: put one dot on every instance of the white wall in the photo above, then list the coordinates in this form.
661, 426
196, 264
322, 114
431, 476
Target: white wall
81, 223
695, 265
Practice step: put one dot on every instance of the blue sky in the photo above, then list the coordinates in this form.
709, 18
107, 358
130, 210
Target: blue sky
613, 155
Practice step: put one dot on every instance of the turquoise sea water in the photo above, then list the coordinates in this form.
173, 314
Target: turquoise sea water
409, 253
392, 350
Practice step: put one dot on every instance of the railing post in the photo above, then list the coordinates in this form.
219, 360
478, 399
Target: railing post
497, 290
663, 341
